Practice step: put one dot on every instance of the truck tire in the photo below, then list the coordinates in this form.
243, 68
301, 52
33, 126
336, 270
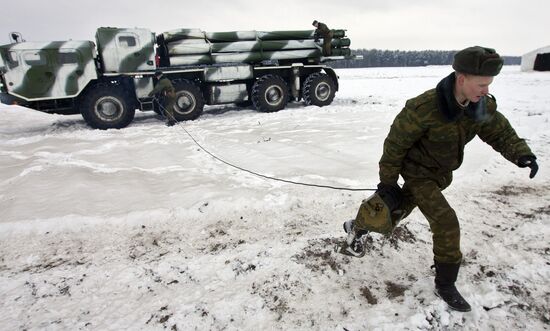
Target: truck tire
270, 93
8, 99
189, 101
107, 107
318, 90
244, 104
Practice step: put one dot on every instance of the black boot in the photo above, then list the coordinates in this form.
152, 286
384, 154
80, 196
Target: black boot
445, 278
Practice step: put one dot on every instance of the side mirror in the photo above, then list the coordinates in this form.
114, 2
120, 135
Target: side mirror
16, 37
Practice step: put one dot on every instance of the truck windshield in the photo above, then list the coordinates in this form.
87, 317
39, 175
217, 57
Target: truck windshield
33, 59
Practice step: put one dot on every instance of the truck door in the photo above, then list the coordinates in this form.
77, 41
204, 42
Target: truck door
31, 75
126, 50
74, 66
70, 68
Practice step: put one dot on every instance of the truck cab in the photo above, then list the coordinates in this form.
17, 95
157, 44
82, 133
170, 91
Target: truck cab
36, 73
126, 50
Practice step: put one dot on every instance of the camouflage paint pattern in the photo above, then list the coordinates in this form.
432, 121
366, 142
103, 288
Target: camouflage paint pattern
48, 70
236, 72
126, 50
425, 147
56, 70
232, 36
179, 34
188, 47
341, 42
3, 62
203, 47
374, 215
427, 195
306, 34
219, 94
143, 85
422, 143
250, 57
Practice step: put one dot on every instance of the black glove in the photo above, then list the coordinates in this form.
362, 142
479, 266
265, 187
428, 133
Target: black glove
529, 161
391, 194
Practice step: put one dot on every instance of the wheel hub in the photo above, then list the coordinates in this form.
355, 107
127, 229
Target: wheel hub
108, 108
322, 91
185, 102
273, 95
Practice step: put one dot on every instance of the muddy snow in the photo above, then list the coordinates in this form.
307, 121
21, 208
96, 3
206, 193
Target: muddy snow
141, 229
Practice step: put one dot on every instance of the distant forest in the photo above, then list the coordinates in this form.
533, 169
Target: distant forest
386, 58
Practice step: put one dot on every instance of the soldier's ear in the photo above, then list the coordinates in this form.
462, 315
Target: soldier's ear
460, 78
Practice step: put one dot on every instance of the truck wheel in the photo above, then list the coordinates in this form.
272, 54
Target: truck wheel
318, 90
189, 101
244, 104
269, 93
106, 107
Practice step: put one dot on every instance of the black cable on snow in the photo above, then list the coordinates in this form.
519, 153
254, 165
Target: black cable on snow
262, 175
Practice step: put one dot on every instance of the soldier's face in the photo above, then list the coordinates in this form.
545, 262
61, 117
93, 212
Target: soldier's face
474, 87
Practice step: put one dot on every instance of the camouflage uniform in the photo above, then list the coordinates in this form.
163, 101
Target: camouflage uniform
426, 144
324, 32
166, 89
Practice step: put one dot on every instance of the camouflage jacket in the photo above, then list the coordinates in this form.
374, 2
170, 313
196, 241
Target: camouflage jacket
165, 86
427, 138
322, 31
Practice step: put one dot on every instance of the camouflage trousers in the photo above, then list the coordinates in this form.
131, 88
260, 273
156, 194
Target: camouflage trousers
169, 104
427, 195
327, 45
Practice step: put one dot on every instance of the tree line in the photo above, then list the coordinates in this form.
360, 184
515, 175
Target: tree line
397, 58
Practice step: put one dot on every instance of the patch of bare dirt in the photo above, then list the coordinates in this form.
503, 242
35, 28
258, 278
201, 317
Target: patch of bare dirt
367, 294
395, 290
319, 256
401, 234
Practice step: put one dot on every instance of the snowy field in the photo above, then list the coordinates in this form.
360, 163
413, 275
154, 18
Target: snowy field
139, 229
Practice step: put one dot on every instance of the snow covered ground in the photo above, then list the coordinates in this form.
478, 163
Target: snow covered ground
140, 229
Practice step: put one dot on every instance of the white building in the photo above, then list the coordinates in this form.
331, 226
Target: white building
539, 60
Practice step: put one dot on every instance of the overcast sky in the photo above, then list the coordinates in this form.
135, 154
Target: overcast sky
513, 27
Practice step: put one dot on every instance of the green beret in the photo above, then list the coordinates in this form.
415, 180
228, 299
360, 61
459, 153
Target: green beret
479, 61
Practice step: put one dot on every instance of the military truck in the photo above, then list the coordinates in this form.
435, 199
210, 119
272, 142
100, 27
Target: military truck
108, 80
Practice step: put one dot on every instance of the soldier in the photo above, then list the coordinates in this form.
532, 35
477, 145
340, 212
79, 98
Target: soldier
165, 88
322, 30
426, 144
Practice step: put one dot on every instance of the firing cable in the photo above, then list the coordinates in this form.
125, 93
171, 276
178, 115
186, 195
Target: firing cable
253, 172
